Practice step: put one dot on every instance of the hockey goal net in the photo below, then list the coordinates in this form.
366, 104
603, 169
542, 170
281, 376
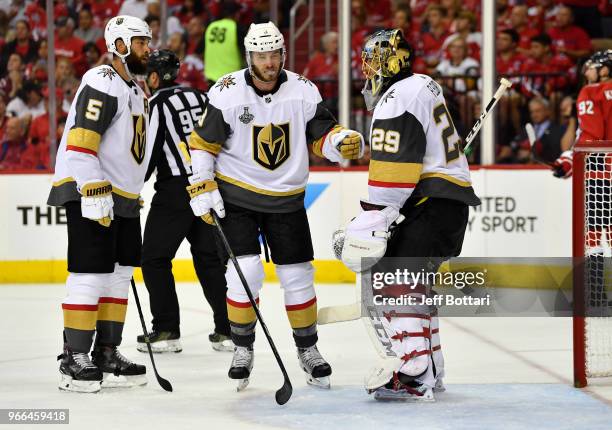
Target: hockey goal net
592, 232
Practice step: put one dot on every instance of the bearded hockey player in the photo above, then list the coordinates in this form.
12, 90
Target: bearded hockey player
594, 108
250, 165
101, 164
419, 187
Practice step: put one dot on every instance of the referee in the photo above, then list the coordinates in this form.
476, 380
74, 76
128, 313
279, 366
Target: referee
173, 111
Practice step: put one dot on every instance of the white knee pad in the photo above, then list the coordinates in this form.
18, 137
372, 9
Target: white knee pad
85, 288
252, 268
119, 282
297, 281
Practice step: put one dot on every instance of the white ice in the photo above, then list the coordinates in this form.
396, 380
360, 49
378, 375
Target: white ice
502, 373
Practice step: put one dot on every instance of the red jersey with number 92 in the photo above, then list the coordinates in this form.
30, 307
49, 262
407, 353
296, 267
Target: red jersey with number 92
594, 107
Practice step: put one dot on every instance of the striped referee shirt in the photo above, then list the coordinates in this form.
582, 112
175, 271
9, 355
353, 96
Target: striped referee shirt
173, 113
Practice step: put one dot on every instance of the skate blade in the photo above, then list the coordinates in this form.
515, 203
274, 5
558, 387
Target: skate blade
323, 382
67, 383
242, 384
161, 346
386, 395
225, 346
111, 380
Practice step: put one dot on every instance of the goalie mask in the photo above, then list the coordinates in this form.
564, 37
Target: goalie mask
385, 56
264, 37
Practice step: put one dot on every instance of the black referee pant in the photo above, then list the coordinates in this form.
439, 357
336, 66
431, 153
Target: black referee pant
171, 220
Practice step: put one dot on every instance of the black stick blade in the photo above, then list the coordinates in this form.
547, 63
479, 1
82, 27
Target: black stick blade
164, 383
284, 393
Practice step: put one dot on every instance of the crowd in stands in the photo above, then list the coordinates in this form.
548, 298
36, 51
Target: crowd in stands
541, 46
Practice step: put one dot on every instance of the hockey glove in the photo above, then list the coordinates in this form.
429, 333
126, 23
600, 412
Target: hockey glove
366, 236
348, 143
205, 197
562, 167
97, 201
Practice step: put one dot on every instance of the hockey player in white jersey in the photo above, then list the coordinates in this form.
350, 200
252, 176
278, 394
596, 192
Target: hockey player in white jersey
419, 187
99, 173
250, 165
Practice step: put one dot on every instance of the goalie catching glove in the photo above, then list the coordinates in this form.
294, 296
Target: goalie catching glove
97, 201
205, 197
366, 236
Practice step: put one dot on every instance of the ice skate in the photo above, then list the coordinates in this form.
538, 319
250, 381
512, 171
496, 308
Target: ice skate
316, 368
118, 371
403, 388
220, 342
241, 366
161, 341
78, 373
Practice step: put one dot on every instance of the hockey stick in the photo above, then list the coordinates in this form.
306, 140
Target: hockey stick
504, 84
164, 383
283, 394
531, 136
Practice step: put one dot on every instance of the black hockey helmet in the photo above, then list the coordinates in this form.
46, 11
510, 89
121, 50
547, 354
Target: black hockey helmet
165, 63
602, 58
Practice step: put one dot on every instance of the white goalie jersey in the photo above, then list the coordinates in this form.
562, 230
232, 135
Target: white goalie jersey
416, 150
104, 139
259, 140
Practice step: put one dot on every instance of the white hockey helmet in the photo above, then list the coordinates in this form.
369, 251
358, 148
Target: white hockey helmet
264, 37
124, 27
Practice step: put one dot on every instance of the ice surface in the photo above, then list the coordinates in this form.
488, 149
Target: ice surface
502, 373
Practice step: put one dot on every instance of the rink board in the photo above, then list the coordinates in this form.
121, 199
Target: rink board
525, 213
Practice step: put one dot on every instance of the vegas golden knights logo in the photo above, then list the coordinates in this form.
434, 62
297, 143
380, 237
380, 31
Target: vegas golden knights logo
271, 145
139, 142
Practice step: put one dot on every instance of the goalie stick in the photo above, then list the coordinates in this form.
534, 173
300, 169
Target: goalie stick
504, 84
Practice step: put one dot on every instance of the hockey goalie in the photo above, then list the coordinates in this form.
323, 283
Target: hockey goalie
419, 191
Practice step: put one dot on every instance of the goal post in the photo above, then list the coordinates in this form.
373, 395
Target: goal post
592, 292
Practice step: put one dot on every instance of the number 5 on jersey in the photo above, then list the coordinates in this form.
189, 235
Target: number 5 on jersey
93, 109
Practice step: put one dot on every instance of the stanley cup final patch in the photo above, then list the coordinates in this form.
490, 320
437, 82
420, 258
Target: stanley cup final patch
246, 117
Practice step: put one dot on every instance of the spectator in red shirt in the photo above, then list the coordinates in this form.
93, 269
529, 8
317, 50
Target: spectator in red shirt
402, 19
451, 8
435, 36
195, 36
543, 14
542, 60
37, 18
519, 21
103, 10
507, 62
12, 145
3, 116
86, 31
323, 68
587, 14
7, 83
569, 39
191, 72
503, 14
188, 10
378, 11
69, 46
36, 153
466, 30
23, 44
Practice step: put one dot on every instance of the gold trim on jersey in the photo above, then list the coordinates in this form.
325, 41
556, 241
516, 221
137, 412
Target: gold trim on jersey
125, 194
447, 178
63, 181
258, 190
395, 172
84, 138
196, 142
